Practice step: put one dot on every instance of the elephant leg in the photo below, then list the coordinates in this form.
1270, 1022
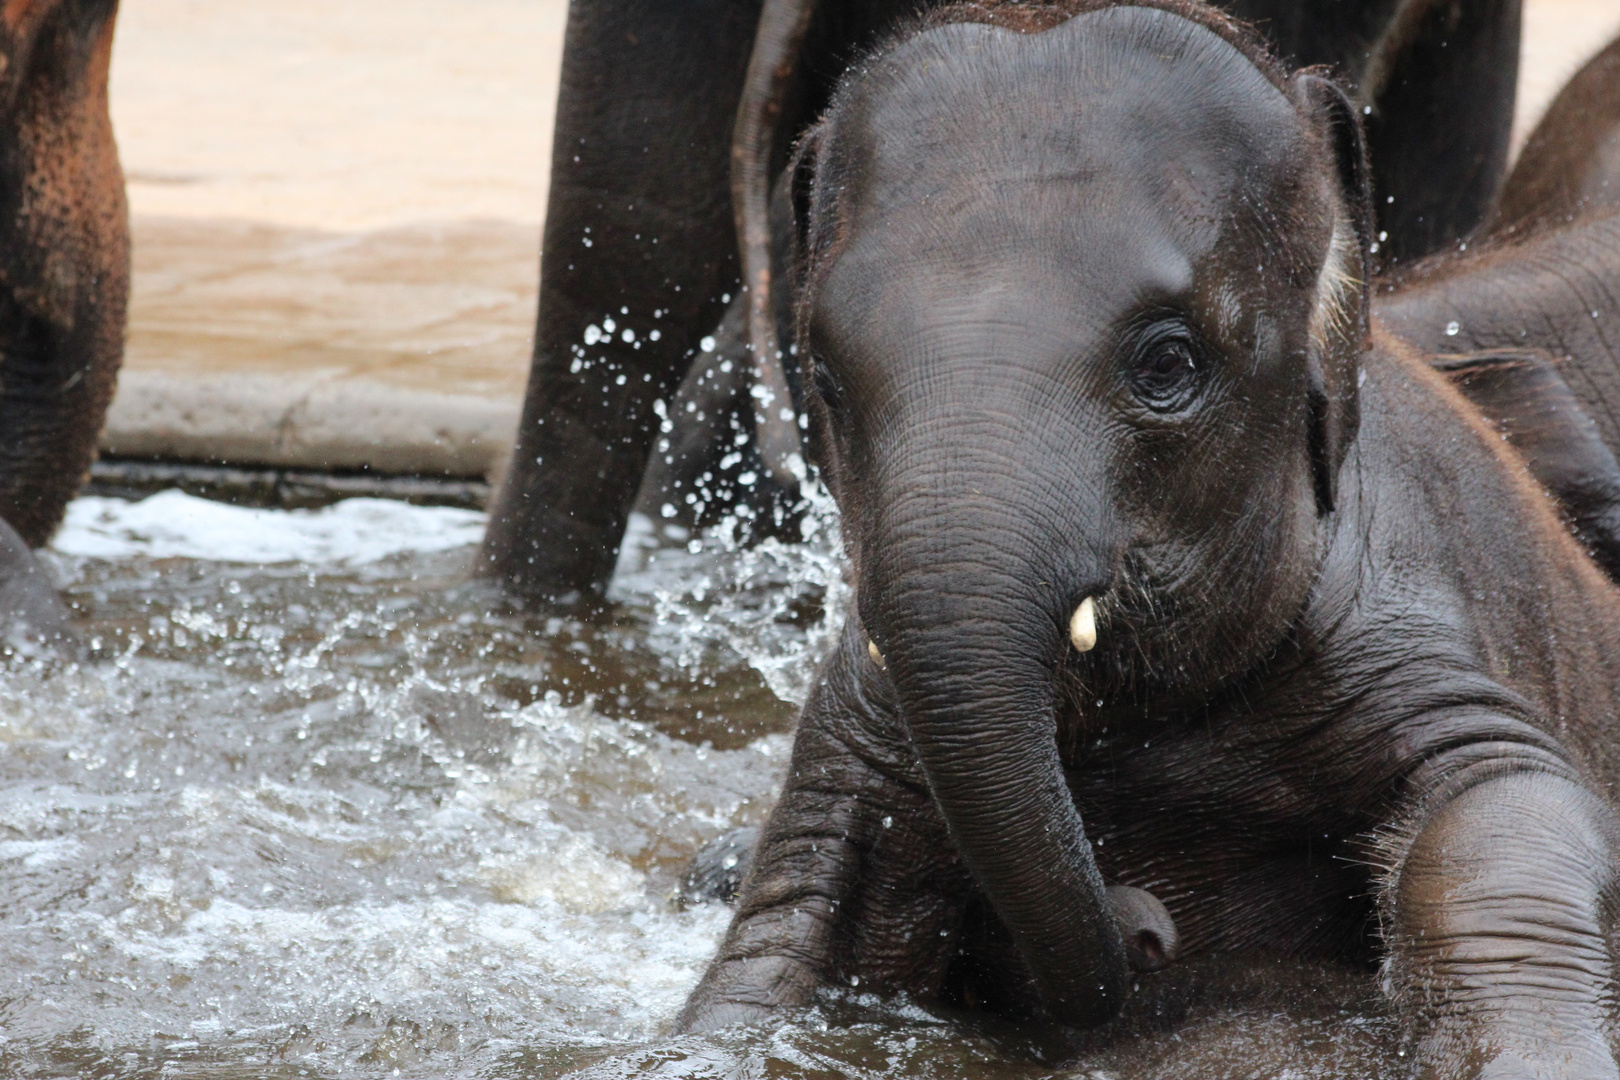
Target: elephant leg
854, 880
32, 615
64, 255
1438, 79
1495, 921
706, 462
1441, 90
639, 249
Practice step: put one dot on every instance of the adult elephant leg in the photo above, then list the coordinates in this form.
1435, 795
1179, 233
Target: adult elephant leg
1441, 93
32, 615
64, 255
854, 880
639, 244
1438, 78
706, 461
1496, 916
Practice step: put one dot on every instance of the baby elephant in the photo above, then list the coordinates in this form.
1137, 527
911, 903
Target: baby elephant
1150, 528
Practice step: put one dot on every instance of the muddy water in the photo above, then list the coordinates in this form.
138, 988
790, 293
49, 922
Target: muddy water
332, 818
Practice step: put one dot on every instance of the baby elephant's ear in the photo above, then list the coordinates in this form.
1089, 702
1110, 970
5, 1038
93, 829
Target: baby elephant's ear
1342, 126
798, 185
1335, 359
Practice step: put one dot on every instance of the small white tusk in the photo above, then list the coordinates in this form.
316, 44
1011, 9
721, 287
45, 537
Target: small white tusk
872, 651
1083, 626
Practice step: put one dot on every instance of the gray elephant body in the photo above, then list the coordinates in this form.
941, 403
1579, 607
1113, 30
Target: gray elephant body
1150, 529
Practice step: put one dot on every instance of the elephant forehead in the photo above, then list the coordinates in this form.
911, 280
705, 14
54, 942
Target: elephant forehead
993, 285
1123, 112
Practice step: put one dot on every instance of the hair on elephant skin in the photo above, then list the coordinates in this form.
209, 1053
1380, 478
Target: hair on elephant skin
1172, 569
641, 234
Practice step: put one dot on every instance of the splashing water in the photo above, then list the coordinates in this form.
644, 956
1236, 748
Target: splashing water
775, 606
332, 818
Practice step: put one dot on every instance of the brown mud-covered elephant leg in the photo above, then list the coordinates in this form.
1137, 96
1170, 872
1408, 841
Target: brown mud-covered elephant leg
1438, 79
1570, 164
64, 255
1495, 909
640, 246
854, 881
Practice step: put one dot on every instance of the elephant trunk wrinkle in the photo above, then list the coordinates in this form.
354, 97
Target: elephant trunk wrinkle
975, 670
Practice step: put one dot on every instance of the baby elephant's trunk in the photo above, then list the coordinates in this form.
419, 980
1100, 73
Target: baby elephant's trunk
972, 654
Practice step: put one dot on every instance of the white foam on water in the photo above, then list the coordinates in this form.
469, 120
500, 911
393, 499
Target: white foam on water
173, 524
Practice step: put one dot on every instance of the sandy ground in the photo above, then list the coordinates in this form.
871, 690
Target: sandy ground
337, 211
342, 115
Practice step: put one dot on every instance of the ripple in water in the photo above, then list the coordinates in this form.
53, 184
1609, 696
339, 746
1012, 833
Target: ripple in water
333, 818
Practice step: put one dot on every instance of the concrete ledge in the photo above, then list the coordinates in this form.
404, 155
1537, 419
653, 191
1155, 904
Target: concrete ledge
287, 489
401, 350
316, 422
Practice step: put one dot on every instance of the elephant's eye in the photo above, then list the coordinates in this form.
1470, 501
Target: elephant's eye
827, 384
1165, 372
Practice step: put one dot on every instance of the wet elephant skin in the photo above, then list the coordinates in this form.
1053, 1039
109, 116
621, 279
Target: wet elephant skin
1551, 288
1350, 692
639, 223
1533, 297
64, 254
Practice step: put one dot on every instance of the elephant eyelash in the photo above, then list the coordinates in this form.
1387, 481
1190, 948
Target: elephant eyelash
826, 383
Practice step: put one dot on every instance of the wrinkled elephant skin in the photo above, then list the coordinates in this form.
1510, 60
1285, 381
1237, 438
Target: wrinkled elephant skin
1346, 688
64, 254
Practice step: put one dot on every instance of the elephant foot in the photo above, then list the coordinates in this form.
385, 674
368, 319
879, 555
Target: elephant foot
715, 874
716, 871
33, 619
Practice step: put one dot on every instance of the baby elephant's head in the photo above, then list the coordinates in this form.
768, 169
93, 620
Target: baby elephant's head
1081, 311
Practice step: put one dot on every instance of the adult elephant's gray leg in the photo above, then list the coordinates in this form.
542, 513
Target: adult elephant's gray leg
1439, 79
639, 243
1496, 918
1442, 112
